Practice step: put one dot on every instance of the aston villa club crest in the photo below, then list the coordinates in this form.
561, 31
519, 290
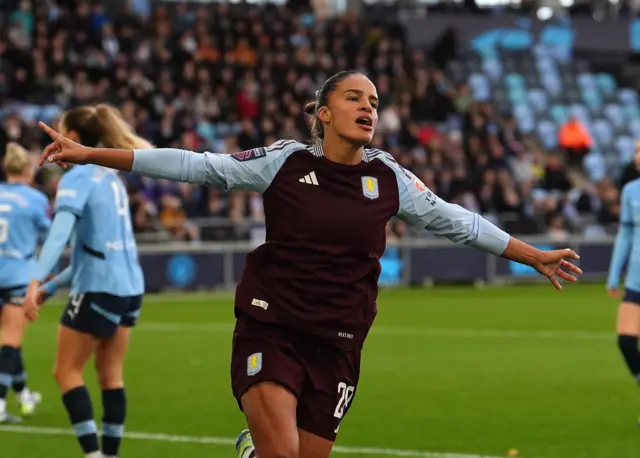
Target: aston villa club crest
370, 187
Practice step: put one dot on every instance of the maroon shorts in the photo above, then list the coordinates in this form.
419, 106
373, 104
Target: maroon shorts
322, 377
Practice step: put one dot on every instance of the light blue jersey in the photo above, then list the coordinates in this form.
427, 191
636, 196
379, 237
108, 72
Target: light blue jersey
627, 246
105, 255
24, 221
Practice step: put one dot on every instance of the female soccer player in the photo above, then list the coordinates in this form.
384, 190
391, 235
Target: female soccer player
24, 221
307, 297
107, 283
627, 246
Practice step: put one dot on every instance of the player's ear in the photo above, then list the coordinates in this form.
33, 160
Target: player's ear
324, 114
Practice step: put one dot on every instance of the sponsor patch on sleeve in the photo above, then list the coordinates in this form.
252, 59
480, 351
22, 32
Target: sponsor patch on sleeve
249, 155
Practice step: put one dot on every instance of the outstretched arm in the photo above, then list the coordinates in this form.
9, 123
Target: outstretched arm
424, 210
252, 170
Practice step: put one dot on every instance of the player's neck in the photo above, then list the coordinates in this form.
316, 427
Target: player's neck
16, 180
341, 151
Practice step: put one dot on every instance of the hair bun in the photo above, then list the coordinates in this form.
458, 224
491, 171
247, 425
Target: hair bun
310, 108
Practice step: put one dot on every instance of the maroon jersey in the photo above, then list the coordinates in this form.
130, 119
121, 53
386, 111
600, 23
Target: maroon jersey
318, 270
325, 234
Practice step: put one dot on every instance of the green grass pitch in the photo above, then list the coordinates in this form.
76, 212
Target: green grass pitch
447, 373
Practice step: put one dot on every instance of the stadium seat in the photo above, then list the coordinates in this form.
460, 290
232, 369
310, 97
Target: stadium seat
552, 84
614, 114
559, 114
628, 97
586, 81
548, 133
631, 112
517, 95
602, 132
625, 148
538, 100
514, 80
634, 128
480, 87
606, 83
492, 68
595, 166
580, 112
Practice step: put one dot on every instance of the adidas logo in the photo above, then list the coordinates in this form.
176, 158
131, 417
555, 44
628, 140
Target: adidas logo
310, 179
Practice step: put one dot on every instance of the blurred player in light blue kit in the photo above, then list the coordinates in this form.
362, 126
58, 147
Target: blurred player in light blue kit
627, 248
106, 279
24, 221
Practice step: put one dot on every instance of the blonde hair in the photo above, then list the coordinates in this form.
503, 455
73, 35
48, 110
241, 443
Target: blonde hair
16, 159
102, 125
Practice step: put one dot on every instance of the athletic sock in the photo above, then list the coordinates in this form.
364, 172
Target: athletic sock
629, 347
8, 357
114, 405
78, 404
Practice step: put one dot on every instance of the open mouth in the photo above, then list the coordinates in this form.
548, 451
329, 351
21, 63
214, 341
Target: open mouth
365, 122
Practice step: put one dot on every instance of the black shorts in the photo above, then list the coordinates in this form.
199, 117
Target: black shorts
100, 314
322, 377
14, 295
631, 296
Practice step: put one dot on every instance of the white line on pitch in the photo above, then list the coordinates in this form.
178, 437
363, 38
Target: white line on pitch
230, 441
404, 331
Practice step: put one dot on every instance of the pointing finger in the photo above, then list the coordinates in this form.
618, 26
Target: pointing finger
49, 131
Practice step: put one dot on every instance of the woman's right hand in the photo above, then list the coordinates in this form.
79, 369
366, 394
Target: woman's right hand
63, 151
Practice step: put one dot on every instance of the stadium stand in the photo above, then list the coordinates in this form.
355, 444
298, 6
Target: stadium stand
482, 131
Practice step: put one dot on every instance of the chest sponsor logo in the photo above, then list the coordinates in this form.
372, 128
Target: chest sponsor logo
370, 187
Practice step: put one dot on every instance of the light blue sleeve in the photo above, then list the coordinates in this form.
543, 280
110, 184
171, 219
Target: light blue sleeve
64, 277
61, 230
422, 209
59, 281
43, 221
622, 247
252, 170
73, 191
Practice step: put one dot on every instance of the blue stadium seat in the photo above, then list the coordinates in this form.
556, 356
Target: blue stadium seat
634, 128
625, 147
614, 114
480, 87
595, 165
546, 65
552, 83
631, 112
548, 133
524, 117
514, 80
492, 68
517, 95
559, 114
538, 100
581, 112
586, 81
602, 132
606, 83
592, 99
628, 97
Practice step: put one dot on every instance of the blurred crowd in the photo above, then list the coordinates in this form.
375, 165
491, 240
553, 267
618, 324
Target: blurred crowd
226, 78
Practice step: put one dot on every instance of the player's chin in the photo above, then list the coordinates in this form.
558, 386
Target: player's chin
361, 137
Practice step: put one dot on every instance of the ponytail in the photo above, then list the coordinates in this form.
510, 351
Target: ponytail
115, 132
